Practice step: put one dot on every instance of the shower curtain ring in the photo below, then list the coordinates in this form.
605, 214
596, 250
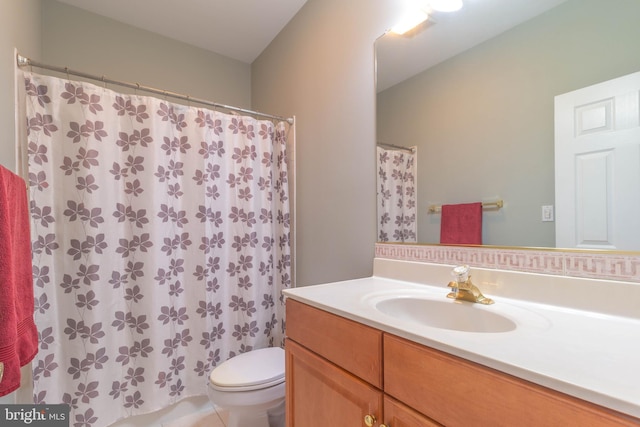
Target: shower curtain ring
66, 70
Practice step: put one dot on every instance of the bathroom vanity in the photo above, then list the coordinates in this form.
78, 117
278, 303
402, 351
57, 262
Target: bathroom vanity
362, 353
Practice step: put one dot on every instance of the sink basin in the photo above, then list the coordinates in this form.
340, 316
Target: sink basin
446, 314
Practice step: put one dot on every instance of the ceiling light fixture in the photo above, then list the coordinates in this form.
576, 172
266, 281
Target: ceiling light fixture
411, 20
417, 11
446, 5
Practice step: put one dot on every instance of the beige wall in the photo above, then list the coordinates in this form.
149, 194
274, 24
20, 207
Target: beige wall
321, 68
19, 28
483, 121
84, 41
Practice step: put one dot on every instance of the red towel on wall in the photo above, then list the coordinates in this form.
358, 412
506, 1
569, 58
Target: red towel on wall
18, 334
461, 224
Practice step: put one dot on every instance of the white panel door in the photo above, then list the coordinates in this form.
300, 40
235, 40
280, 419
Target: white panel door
597, 164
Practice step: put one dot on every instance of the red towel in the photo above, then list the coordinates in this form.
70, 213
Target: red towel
461, 224
18, 334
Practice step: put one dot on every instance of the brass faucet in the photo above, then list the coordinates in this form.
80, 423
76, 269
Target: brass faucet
463, 289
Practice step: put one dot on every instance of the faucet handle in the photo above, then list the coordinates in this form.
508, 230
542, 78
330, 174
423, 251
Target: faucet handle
461, 273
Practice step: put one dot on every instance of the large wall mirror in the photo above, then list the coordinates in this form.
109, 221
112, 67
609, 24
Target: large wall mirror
481, 114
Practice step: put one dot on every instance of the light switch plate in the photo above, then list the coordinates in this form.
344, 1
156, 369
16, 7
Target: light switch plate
547, 213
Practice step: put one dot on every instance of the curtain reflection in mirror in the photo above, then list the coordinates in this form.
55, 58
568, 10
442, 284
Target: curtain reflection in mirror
396, 193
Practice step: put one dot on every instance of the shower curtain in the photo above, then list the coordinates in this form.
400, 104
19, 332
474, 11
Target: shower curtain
396, 195
160, 236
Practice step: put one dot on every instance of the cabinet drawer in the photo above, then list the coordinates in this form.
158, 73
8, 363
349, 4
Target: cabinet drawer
456, 392
350, 345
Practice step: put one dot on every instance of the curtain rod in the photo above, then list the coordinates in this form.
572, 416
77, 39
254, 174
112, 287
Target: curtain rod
23, 61
397, 147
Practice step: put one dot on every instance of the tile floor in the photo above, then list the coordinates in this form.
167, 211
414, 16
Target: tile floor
208, 418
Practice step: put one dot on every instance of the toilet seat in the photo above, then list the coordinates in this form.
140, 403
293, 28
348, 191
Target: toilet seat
253, 370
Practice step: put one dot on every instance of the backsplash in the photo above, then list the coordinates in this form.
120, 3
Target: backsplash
614, 266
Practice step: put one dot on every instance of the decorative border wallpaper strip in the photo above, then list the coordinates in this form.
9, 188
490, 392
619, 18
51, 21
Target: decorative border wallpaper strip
560, 263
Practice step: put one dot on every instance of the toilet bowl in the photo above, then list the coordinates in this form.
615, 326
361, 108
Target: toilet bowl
251, 388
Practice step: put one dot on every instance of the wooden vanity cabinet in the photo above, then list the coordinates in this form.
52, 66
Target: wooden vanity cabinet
334, 373
338, 371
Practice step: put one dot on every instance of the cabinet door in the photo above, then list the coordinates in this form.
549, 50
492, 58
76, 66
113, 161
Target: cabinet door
398, 415
319, 394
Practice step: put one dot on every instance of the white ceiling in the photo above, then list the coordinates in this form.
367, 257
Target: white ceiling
242, 29
239, 29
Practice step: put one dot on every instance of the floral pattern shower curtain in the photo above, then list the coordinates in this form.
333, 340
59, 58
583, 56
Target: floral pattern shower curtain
160, 245
396, 184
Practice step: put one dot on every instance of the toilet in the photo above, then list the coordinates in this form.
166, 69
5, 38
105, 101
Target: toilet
251, 388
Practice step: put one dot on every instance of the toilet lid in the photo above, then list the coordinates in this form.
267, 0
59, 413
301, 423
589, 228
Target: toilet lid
250, 371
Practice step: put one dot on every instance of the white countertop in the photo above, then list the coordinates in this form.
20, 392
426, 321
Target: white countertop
590, 355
